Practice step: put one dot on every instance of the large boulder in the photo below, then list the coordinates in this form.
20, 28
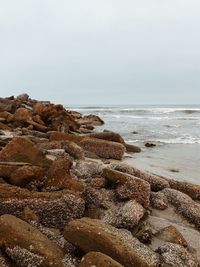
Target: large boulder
157, 183
184, 205
21, 149
99, 260
54, 209
94, 235
26, 245
103, 148
129, 187
60, 136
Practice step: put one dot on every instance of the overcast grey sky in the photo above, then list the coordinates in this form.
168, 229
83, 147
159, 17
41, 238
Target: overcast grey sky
101, 51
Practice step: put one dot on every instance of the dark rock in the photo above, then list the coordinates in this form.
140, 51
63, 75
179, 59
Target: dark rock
150, 144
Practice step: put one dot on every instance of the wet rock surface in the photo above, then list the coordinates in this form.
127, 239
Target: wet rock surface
67, 200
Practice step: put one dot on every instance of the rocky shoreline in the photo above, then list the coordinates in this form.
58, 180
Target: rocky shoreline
68, 200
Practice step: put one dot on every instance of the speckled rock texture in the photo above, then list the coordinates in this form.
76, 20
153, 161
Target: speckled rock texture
177, 256
103, 148
157, 183
184, 205
129, 187
54, 209
94, 235
26, 245
158, 200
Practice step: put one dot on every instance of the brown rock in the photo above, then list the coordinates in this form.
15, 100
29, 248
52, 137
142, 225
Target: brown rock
59, 136
129, 187
149, 144
190, 189
184, 205
172, 235
132, 148
99, 260
21, 149
157, 183
102, 148
109, 136
158, 200
54, 209
26, 245
90, 119
94, 235
26, 174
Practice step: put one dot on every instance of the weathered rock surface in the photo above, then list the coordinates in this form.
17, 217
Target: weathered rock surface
172, 235
129, 187
176, 255
53, 209
26, 245
184, 205
22, 149
157, 183
99, 260
158, 200
94, 235
103, 148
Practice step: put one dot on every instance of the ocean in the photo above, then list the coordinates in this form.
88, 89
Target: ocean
174, 129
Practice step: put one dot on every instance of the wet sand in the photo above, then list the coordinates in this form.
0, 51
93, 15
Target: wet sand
177, 161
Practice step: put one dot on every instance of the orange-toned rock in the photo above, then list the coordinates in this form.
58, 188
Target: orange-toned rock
90, 119
120, 245
99, 260
54, 209
103, 148
109, 136
59, 136
21, 149
58, 176
129, 187
26, 245
26, 174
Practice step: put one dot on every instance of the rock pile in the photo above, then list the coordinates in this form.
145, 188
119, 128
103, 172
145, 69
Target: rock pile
63, 204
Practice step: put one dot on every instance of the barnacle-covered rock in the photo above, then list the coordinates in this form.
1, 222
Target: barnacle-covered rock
158, 200
54, 209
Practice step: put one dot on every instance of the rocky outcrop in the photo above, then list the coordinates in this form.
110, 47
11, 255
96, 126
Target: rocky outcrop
53, 209
157, 183
93, 235
102, 148
129, 187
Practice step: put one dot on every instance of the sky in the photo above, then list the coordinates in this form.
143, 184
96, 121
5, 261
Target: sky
101, 52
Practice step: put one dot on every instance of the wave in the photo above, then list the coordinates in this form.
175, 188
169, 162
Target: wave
169, 141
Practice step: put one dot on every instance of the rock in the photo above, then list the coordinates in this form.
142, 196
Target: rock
97, 182
25, 174
157, 183
26, 245
126, 215
58, 177
158, 200
172, 235
59, 136
149, 144
176, 255
4, 262
23, 97
132, 148
135, 132
102, 148
184, 205
99, 260
143, 232
94, 235
90, 119
190, 189
86, 169
15, 151
129, 187
109, 136
54, 209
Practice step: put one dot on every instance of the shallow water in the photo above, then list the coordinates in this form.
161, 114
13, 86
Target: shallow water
174, 129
